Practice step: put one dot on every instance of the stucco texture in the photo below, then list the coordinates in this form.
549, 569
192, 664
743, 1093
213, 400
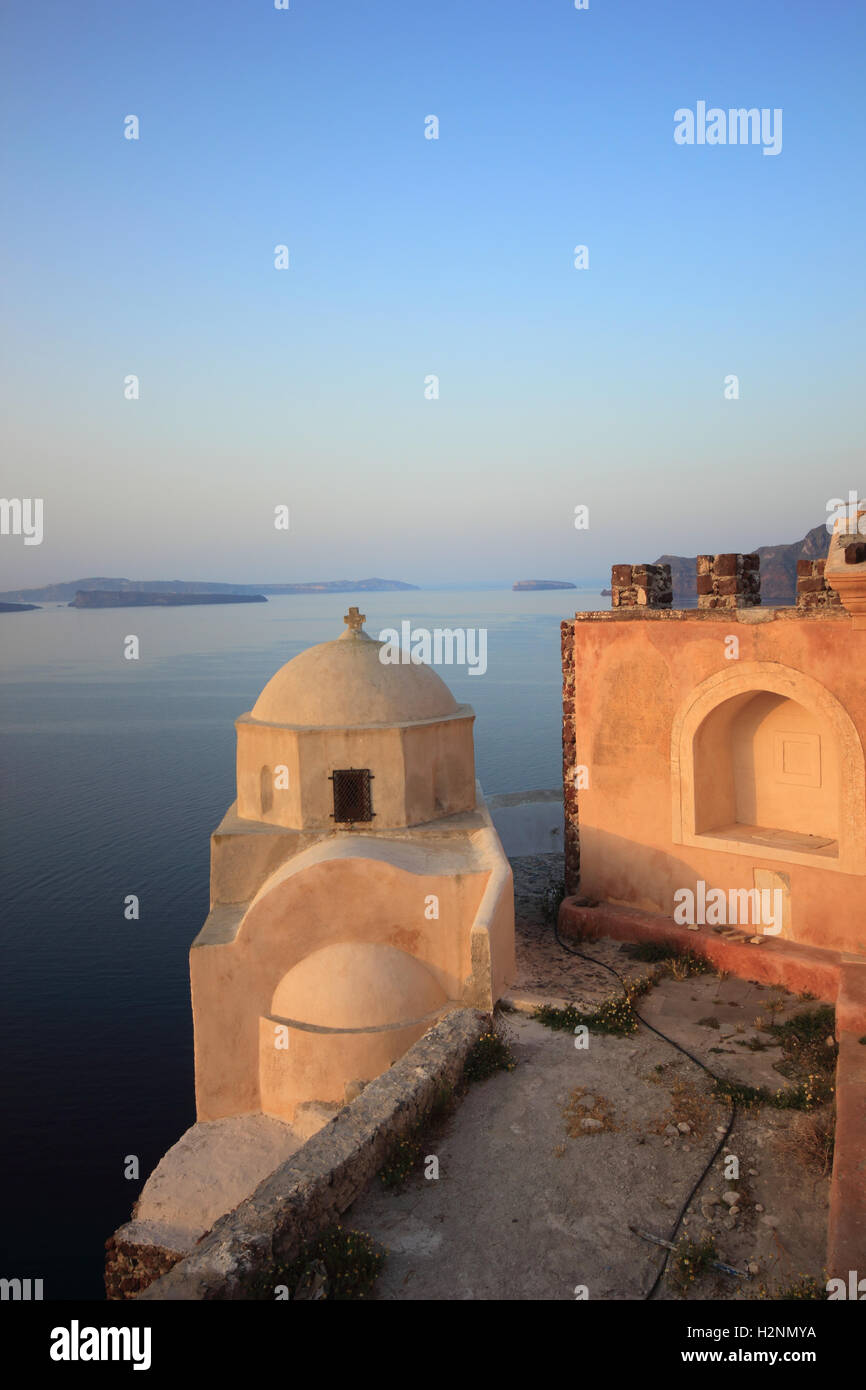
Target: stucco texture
726, 748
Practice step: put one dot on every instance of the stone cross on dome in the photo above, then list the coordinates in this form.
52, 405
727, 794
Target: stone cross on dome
354, 620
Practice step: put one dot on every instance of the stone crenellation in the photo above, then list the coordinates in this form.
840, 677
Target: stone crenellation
729, 581
813, 591
641, 586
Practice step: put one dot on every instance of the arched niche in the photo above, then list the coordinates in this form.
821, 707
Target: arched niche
765, 761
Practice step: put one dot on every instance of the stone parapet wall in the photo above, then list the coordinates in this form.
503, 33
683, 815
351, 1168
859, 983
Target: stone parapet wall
310, 1192
641, 586
569, 768
813, 591
729, 581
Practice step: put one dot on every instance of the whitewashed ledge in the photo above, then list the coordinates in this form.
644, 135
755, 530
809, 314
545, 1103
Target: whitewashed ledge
528, 822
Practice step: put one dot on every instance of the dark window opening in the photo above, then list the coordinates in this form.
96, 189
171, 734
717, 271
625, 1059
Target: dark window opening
352, 801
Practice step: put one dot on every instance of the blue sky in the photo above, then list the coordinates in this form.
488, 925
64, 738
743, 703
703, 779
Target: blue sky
411, 257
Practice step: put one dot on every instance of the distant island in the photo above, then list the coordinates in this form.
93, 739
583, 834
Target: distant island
607, 593
18, 607
60, 593
542, 584
107, 598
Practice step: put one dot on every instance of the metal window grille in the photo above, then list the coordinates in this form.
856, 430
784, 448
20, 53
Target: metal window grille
352, 800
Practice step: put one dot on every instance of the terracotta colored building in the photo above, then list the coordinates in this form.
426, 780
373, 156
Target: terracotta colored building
723, 745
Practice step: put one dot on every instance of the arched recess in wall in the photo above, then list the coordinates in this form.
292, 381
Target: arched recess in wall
766, 761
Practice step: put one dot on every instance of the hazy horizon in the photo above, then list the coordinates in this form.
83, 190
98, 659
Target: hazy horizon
435, 582
409, 258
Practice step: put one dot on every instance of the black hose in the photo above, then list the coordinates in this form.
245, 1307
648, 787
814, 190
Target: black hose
692, 1058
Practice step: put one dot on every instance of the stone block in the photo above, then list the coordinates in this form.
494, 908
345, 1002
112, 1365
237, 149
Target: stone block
813, 591
725, 566
728, 581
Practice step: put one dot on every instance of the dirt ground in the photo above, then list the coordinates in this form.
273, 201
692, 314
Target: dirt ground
543, 1170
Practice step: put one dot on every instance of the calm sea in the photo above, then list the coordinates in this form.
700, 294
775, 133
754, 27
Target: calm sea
114, 774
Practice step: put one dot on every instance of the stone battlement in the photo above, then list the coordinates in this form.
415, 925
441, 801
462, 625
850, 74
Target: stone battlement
813, 591
641, 586
724, 583
729, 581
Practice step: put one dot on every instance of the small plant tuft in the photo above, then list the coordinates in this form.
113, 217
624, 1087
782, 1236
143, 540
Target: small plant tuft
490, 1053
685, 964
400, 1162
339, 1265
810, 1140
813, 1091
615, 1015
690, 1260
673, 960
804, 1041
806, 1287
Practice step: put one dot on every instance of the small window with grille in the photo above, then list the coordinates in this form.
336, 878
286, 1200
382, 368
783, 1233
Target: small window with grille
352, 800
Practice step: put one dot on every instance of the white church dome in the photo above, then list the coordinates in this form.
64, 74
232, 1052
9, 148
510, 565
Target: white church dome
343, 684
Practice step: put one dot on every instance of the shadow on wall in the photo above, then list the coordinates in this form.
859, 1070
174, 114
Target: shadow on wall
762, 759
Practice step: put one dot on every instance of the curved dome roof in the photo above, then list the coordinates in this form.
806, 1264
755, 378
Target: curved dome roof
357, 985
343, 684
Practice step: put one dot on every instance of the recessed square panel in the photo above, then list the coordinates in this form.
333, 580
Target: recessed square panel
797, 759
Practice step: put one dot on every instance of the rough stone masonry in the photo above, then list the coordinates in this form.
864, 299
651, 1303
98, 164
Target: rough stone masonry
729, 581
569, 765
813, 591
641, 586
